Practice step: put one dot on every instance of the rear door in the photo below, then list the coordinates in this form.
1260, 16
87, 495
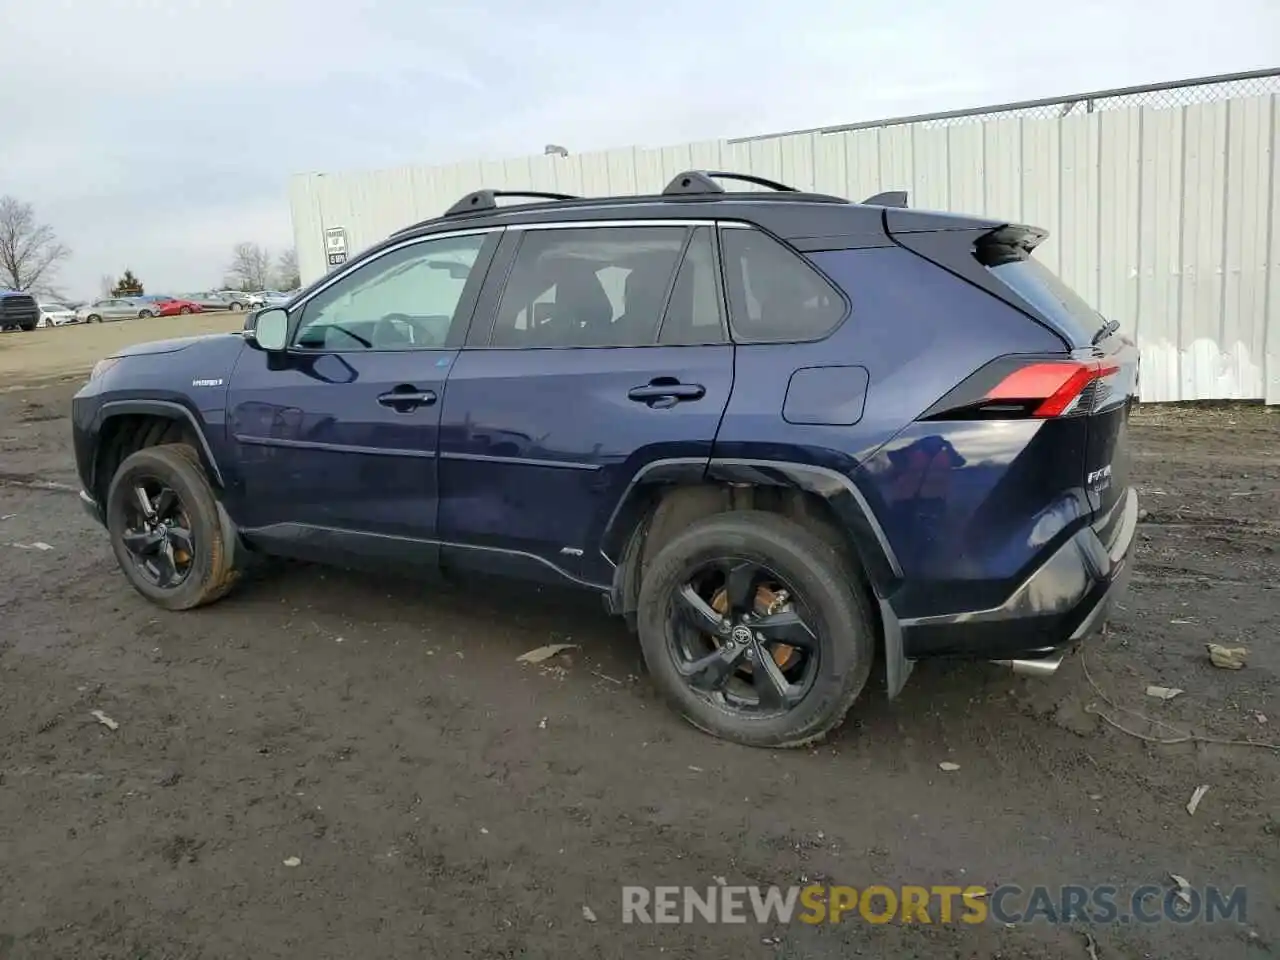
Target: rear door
604, 350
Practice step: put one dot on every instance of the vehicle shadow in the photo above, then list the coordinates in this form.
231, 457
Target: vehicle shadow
517, 616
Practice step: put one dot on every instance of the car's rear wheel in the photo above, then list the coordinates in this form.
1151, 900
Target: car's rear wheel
755, 629
166, 530
143, 314
237, 307
184, 310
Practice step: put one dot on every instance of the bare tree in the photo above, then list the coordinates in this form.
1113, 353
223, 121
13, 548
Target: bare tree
30, 252
250, 267
287, 270
49, 292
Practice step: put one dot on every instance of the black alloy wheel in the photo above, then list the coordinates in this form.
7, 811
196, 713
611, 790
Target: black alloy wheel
173, 541
157, 533
740, 638
756, 628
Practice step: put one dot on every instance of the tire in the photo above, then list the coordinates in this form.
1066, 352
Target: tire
144, 314
210, 573
184, 310
237, 307
93, 318
825, 582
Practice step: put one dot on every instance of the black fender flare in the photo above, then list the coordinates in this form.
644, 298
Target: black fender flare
836, 489
170, 409
839, 492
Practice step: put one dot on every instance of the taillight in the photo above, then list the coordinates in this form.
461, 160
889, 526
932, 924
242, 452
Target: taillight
1020, 388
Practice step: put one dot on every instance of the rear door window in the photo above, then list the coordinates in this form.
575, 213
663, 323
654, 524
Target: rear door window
588, 287
693, 314
775, 296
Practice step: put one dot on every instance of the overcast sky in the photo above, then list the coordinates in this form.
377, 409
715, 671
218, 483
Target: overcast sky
155, 134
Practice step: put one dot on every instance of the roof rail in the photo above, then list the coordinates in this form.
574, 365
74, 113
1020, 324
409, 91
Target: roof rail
700, 181
890, 198
481, 200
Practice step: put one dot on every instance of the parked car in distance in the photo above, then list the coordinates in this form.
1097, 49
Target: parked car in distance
176, 305
268, 298
218, 300
116, 308
56, 315
18, 310
783, 435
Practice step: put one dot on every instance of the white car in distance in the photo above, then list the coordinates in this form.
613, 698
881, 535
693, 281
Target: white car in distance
56, 315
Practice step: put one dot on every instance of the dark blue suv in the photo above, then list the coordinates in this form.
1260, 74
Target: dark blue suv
782, 434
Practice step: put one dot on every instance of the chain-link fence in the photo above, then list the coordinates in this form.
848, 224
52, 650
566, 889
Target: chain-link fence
1179, 93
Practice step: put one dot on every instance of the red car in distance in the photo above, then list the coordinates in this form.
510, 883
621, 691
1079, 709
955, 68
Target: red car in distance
171, 308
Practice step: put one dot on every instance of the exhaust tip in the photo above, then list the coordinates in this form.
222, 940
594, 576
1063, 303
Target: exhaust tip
1044, 667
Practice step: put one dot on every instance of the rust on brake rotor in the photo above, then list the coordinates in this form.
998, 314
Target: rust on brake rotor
180, 555
767, 601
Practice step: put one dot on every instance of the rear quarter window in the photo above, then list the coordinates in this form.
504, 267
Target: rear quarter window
775, 296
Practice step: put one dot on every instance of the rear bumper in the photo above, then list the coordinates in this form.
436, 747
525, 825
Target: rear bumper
1063, 601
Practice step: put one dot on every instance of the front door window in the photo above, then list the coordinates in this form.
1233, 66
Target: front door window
403, 300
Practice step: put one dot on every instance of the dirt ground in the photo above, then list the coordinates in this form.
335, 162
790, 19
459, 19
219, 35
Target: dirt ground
445, 800
76, 347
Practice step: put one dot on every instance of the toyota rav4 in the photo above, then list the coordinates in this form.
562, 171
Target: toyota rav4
782, 434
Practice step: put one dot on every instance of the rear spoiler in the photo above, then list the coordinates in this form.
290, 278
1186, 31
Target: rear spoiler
890, 198
1006, 244
968, 246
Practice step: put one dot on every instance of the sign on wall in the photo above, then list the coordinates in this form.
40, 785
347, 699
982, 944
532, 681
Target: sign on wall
335, 245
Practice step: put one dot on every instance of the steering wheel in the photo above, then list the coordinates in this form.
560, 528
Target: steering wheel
388, 333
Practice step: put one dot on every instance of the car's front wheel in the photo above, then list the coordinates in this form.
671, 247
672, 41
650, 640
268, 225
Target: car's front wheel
237, 307
93, 318
756, 629
165, 528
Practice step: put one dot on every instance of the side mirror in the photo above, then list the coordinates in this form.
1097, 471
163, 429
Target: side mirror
271, 329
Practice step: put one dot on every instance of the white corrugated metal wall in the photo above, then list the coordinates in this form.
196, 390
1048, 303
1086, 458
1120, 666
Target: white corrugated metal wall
1167, 219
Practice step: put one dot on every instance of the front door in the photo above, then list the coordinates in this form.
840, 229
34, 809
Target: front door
336, 440
605, 352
